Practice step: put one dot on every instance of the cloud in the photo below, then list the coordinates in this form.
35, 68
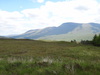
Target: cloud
10, 22
81, 8
50, 14
40, 1
65, 11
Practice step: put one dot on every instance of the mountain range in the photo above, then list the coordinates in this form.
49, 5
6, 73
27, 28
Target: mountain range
2, 37
65, 32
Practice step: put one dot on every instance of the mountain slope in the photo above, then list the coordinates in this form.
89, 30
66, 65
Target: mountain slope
34, 34
83, 32
2, 37
66, 31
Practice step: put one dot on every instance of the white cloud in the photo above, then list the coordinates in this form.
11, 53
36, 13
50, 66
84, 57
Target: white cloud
40, 1
50, 14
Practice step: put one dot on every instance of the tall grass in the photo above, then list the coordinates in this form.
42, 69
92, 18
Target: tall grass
30, 57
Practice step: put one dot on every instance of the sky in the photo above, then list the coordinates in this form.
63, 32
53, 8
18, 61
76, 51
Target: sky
19, 16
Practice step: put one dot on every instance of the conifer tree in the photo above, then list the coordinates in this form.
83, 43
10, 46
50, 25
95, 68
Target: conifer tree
96, 40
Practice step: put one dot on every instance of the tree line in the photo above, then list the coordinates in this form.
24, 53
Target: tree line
95, 41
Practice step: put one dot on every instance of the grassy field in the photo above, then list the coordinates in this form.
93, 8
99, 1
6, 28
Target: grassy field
30, 57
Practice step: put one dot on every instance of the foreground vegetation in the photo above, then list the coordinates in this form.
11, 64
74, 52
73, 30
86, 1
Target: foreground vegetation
30, 57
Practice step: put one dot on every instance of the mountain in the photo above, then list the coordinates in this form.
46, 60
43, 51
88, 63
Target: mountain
2, 37
66, 32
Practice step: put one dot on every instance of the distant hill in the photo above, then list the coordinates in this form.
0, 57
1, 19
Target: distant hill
66, 32
2, 37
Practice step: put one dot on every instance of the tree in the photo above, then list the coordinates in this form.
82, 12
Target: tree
96, 40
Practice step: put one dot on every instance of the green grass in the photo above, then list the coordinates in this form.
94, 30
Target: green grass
30, 57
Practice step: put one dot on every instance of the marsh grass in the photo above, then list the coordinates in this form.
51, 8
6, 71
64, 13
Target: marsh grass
30, 57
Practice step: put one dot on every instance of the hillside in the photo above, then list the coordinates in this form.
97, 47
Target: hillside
66, 31
2, 37
84, 32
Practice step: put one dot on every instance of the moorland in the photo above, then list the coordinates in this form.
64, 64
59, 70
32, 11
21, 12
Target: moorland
34, 57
